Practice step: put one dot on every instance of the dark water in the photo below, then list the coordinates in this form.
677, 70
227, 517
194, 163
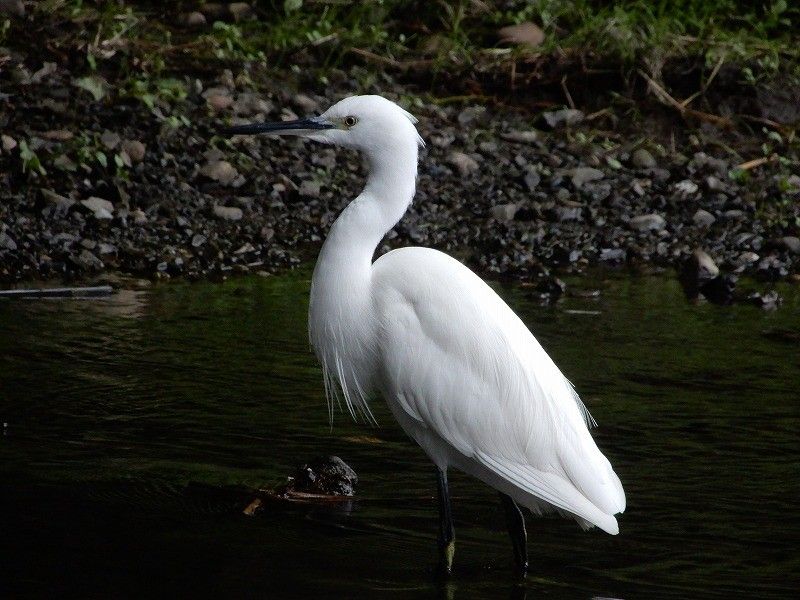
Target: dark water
130, 420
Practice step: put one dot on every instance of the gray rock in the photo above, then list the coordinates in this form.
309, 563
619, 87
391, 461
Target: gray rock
651, 222
714, 184
685, 188
791, 243
642, 159
566, 117
305, 104
88, 261
310, 189
9, 143
194, 19
522, 137
100, 208
134, 149
703, 218
464, 163
139, 218
504, 212
110, 140
747, 258
6, 242
582, 175
612, 254
532, 179
198, 240
471, 114
228, 213
221, 171
62, 203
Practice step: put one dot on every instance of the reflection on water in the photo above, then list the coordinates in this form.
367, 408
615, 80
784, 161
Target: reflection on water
133, 423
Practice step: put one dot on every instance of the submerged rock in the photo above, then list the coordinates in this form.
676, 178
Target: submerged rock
328, 475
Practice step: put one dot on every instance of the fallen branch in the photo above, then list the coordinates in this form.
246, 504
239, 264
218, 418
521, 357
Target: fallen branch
756, 162
83, 292
665, 98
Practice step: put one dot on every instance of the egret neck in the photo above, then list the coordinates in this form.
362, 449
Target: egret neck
341, 282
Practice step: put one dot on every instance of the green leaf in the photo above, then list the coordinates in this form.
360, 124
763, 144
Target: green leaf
291, 6
96, 86
101, 158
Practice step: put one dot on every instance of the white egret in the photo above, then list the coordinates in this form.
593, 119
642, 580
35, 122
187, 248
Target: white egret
461, 373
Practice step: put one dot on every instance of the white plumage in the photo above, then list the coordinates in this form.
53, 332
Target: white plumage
459, 370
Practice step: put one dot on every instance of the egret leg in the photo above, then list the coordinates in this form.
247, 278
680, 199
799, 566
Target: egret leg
516, 531
447, 534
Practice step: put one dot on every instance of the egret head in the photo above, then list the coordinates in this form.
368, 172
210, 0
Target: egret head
371, 124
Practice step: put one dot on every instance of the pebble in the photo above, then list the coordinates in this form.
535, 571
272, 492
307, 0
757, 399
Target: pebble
685, 188
642, 159
221, 171
703, 218
464, 163
566, 117
102, 209
529, 136
228, 213
6, 242
9, 143
504, 212
134, 149
583, 175
651, 222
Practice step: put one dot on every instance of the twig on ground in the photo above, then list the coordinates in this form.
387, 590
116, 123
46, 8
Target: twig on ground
566, 92
665, 98
756, 162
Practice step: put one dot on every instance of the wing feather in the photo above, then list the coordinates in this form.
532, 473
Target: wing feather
458, 360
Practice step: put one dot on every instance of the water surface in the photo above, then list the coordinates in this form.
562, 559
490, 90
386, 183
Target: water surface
131, 421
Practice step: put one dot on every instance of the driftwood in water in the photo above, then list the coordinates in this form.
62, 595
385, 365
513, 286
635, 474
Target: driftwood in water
77, 292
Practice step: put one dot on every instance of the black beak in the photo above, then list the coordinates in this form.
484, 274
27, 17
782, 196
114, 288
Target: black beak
309, 124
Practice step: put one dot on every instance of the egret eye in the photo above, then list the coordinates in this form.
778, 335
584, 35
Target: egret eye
350, 121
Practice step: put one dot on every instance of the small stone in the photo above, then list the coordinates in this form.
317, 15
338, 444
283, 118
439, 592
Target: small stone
221, 171
62, 203
198, 240
228, 213
582, 175
685, 188
526, 34
135, 150
464, 163
790, 243
328, 475
110, 140
309, 189
9, 143
651, 222
504, 212
13, 8
102, 209
240, 11
642, 159
714, 184
245, 249
532, 179
747, 258
471, 115
305, 104
219, 102
566, 117
733, 214
194, 19
106, 248
768, 301
703, 218
521, 137
6, 242
89, 261
612, 254
139, 218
